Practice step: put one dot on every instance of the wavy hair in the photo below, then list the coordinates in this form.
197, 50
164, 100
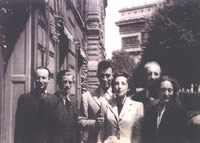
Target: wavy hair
174, 83
131, 86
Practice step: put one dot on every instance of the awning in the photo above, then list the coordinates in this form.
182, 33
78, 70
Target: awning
68, 34
82, 53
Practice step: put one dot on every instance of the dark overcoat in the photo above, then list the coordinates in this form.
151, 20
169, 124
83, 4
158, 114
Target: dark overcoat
27, 120
59, 120
172, 128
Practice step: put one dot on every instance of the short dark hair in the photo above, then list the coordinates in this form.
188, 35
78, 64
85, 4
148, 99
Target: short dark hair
103, 65
42, 67
131, 85
173, 82
62, 73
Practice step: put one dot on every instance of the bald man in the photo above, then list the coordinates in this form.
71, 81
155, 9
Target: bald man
152, 73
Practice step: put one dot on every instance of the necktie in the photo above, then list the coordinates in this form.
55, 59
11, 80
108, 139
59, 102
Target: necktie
64, 101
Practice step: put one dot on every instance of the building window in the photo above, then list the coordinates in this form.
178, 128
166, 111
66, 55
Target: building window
130, 42
63, 51
59, 7
41, 44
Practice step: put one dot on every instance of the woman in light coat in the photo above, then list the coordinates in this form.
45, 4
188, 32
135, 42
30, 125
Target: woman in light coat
123, 116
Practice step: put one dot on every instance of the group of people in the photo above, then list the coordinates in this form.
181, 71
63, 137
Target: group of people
112, 113
42, 117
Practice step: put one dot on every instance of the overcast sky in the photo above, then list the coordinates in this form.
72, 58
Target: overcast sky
112, 37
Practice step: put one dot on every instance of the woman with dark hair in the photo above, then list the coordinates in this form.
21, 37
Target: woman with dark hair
123, 116
166, 122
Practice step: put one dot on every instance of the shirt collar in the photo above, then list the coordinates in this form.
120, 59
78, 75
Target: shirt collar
64, 97
109, 91
41, 94
103, 92
108, 95
162, 106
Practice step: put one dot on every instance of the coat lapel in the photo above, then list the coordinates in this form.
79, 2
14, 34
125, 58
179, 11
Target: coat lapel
96, 95
113, 108
165, 116
99, 100
126, 108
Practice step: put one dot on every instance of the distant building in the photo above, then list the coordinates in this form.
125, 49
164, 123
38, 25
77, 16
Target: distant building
59, 34
132, 24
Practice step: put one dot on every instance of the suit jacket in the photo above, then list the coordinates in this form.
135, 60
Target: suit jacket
59, 120
27, 123
126, 126
172, 128
92, 105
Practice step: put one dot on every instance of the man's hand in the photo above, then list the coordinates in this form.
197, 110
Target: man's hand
99, 122
195, 121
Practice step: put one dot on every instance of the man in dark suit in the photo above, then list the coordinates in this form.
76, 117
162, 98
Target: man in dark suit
27, 127
59, 112
152, 73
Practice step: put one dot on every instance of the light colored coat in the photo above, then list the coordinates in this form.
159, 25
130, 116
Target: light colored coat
91, 104
126, 126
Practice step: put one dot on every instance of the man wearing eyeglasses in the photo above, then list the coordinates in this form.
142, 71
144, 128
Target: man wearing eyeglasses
59, 112
93, 105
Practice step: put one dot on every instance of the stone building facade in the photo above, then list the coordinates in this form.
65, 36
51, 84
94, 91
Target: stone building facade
58, 34
95, 38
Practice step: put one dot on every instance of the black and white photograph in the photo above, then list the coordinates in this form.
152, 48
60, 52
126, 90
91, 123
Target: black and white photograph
99, 71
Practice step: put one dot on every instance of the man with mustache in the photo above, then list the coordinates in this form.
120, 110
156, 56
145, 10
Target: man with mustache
93, 104
59, 112
27, 127
152, 73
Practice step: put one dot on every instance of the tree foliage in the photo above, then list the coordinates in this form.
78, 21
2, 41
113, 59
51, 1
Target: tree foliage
174, 39
123, 61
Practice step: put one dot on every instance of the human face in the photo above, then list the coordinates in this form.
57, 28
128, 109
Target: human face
105, 78
41, 79
66, 83
166, 91
121, 86
153, 73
